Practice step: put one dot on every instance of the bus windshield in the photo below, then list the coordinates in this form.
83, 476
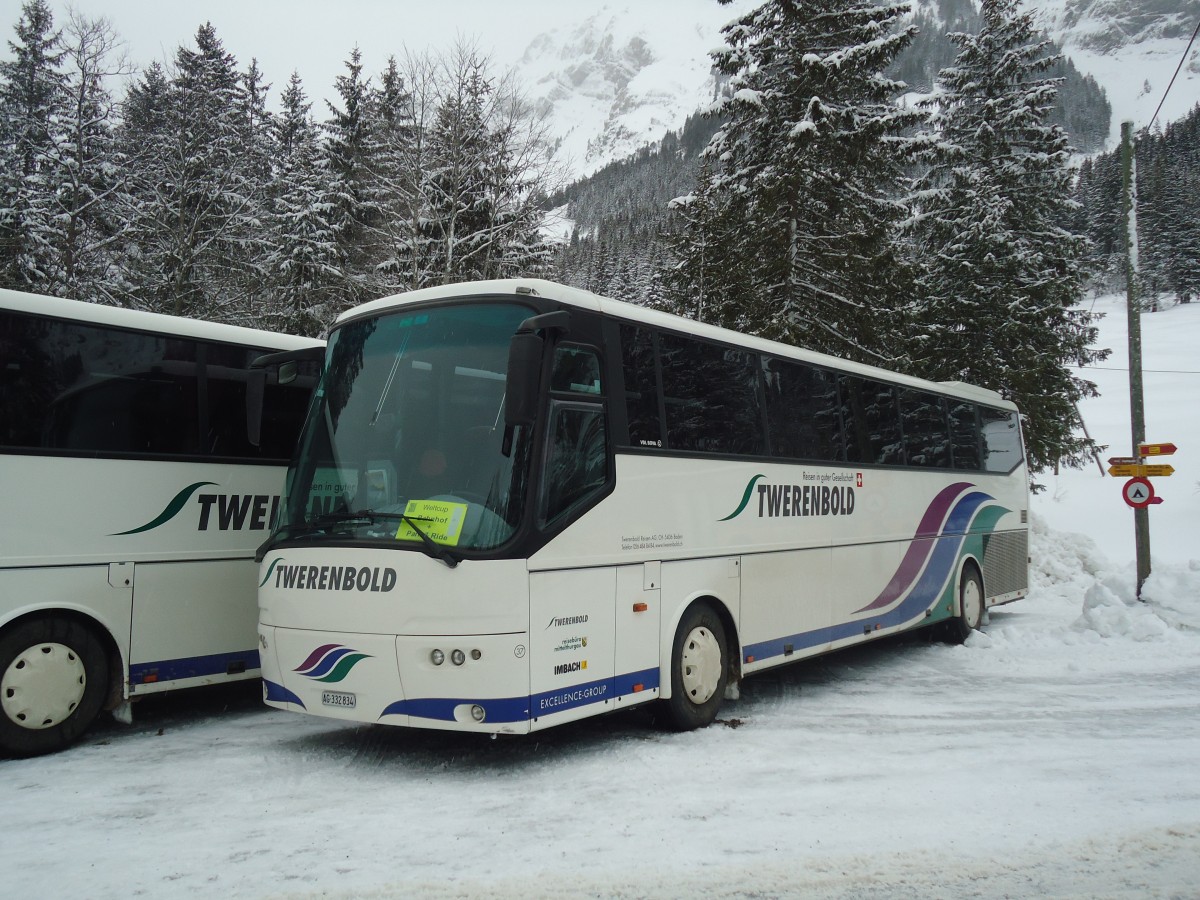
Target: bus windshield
406, 443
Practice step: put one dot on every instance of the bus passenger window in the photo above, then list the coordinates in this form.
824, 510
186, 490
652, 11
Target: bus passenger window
872, 422
964, 435
641, 387
926, 435
1001, 440
802, 411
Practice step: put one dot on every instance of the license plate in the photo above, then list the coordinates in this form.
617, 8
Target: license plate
337, 698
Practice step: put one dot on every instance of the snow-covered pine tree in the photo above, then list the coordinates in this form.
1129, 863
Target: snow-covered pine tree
351, 151
31, 105
1004, 277
401, 108
191, 192
250, 244
488, 170
807, 172
303, 265
85, 164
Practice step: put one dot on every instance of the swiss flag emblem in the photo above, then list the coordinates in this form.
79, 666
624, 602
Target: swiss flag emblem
859, 479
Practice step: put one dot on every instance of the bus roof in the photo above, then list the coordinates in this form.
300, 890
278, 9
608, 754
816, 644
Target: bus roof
571, 296
139, 320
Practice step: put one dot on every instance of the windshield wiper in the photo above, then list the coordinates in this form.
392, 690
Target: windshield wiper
370, 517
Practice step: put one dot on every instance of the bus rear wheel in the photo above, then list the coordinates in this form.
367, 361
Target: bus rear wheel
53, 677
699, 669
970, 606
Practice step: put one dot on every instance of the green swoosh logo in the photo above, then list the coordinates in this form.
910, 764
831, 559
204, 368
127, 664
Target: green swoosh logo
271, 568
745, 499
342, 669
172, 509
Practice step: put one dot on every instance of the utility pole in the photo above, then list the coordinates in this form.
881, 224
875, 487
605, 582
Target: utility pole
1137, 410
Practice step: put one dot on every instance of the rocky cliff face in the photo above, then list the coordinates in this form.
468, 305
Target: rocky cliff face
625, 74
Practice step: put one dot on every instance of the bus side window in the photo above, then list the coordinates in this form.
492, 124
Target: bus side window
1001, 440
964, 435
711, 395
802, 411
641, 387
576, 371
576, 463
926, 435
872, 422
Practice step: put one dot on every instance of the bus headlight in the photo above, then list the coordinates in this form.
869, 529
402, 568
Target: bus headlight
477, 713
437, 657
458, 657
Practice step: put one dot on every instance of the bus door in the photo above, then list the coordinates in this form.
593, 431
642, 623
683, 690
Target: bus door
571, 643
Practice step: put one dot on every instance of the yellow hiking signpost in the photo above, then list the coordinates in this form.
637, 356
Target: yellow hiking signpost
1137, 470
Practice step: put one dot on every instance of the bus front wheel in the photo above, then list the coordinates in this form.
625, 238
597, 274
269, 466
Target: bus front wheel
699, 669
970, 606
53, 677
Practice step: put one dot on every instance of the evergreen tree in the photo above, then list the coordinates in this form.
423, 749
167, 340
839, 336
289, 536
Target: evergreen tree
85, 166
351, 152
806, 173
32, 95
193, 194
488, 173
401, 107
1003, 275
303, 265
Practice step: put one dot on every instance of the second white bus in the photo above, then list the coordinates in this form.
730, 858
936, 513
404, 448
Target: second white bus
517, 504
133, 505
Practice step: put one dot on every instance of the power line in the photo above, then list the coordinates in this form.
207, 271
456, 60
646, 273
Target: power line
1173, 77
1155, 371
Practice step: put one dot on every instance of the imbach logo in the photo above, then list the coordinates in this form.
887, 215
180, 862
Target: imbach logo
796, 500
219, 512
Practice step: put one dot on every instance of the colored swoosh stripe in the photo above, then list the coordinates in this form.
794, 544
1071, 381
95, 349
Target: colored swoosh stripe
745, 498
313, 657
172, 509
918, 550
943, 553
330, 663
271, 568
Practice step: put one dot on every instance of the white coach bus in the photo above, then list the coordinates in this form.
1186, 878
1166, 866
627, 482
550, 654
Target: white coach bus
517, 504
133, 503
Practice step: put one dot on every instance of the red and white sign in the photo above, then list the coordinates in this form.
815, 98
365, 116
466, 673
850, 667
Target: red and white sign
1139, 493
1156, 449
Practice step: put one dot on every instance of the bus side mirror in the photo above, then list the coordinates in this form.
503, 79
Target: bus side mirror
524, 374
523, 378
286, 364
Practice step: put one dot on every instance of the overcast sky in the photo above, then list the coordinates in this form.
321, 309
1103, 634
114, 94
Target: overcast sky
315, 37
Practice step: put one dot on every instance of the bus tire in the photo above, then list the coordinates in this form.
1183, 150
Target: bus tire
53, 680
970, 606
699, 669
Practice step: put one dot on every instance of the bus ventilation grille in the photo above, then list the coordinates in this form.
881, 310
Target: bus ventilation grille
1006, 562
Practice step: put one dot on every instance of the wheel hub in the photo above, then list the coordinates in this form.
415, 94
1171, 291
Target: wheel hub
42, 686
972, 603
700, 665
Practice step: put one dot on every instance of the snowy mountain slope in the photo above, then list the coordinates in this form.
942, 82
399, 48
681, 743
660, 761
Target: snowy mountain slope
624, 74
1132, 48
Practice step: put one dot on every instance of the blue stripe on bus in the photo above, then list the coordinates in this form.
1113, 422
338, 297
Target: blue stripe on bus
279, 694
191, 667
521, 709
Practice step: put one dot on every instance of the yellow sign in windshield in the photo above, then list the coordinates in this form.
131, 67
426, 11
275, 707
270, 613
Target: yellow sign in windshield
442, 522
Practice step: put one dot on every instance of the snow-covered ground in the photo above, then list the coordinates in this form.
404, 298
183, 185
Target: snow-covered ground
1055, 754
